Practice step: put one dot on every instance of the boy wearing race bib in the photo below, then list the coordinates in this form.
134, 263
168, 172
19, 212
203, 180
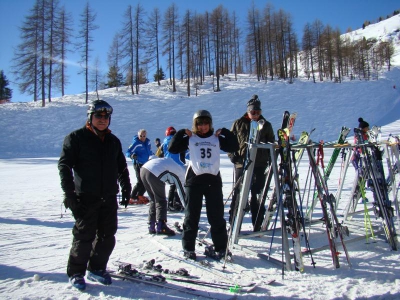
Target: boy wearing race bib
204, 179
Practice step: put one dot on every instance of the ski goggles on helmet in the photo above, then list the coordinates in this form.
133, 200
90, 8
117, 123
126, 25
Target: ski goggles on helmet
103, 108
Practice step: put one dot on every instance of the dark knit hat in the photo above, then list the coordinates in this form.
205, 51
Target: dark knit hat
254, 103
362, 124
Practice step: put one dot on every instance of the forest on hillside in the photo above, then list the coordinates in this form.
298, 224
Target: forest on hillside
195, 45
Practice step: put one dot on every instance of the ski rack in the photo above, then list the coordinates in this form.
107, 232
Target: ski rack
244, 194
286, 263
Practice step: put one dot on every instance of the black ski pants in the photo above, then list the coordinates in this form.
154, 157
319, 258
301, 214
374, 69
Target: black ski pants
138, 189
93, 235
257, 184
215, 215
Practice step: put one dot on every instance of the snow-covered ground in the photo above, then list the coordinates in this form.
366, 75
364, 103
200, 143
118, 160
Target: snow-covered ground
35, 230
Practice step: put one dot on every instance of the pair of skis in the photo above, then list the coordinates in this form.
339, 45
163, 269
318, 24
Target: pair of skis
371, 159
327, 171
123, 275
293, 220
334, 228
155, 275
288, 121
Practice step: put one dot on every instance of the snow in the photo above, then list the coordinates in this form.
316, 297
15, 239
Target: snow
36, 230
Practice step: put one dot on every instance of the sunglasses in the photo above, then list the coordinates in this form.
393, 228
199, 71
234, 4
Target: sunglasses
105, 117
142, 136
255, 112
202, 123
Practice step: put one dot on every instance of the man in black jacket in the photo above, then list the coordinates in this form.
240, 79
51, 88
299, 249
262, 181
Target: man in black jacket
91, 164
241, 128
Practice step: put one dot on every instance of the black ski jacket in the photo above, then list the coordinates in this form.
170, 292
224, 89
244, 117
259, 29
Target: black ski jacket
88, 165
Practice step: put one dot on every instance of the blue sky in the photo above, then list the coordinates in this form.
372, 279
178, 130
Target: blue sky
340, 13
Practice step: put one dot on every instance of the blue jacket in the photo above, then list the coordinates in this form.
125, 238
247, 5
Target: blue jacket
175, 157
141, 149
179, 158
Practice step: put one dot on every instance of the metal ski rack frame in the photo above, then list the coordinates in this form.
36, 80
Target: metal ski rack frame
244, 194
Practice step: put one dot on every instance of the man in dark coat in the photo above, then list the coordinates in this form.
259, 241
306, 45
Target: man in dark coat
241, 128
91, 164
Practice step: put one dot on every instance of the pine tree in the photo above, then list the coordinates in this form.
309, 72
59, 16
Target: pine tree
115, 78
5, 92
159, 75
141, 78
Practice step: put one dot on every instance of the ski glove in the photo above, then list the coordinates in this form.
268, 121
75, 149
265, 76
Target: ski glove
125, 198
234, 158
133, 156
72, 201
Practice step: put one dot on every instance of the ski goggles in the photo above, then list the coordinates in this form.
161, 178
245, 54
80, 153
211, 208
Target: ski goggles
103, 108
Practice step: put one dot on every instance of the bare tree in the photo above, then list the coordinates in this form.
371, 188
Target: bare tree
96, 78
318, 27
113, 57
254, 28
139, 27
235, 45
128, 47
216, 23
338, 53
187, 45
152, 40
269, 39
327, 50
385, 53
52, 49
308, 48
170, 29
85, 33
63, 38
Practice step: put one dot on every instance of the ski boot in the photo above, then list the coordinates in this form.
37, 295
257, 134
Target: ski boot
222, 254
100, 276
78, 281
162, 228
152, 227
189, 254
210, 252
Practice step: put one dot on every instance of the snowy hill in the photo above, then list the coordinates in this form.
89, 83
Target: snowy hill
32, 131
383, 31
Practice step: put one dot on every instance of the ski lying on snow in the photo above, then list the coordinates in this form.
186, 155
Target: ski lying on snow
204, 265
126, 270
164, 284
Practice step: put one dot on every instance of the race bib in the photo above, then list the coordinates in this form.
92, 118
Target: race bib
204, 154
